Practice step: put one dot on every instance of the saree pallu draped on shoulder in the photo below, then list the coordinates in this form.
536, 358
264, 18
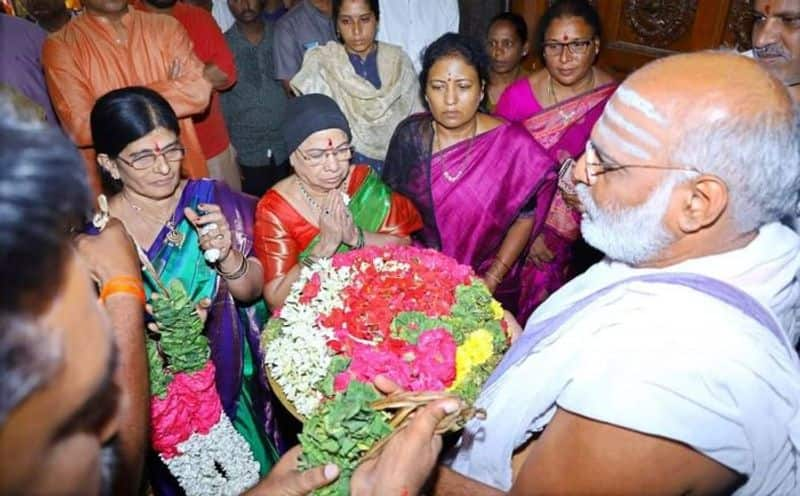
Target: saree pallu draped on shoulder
471, 193
232, 328
563, 131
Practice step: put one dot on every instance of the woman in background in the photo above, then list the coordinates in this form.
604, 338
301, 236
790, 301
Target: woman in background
559, 106
507, 44
374, 83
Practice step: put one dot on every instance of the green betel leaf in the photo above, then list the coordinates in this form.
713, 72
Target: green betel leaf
338, 365
344, 441
409, 325
159, 380
180, 330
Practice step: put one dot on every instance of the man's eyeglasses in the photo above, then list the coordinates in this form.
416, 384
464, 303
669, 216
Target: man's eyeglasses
595, 167
575, 47
316, 156
171, 155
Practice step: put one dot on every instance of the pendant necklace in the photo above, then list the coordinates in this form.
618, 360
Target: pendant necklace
174, 237
467, 156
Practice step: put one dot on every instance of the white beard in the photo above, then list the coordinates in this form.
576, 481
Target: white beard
632, 235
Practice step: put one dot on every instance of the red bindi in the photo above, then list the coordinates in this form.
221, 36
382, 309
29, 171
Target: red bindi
158, 148
565, 37
768, 9
330, 142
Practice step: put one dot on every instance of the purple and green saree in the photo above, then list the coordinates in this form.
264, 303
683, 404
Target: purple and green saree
232, 328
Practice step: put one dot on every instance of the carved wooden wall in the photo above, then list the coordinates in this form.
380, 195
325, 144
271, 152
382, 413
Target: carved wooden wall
638, 31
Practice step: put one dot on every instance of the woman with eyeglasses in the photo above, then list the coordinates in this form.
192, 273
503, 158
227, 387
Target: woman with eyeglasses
328, 205
201, 233
559, 106
374, 83
482, 185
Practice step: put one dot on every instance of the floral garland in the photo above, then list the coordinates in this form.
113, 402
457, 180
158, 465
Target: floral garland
413, 315
189, 430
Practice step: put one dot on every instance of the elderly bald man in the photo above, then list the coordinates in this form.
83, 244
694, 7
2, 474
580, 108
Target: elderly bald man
776, 40
668, 367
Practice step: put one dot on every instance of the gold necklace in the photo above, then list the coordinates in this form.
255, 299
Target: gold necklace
174, 237
467, 156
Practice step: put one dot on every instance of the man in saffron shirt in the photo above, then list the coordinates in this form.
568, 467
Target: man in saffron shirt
220, 71
113, 46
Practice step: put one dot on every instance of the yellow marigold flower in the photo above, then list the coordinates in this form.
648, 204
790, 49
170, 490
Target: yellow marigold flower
478, 346
463, 366
497, 310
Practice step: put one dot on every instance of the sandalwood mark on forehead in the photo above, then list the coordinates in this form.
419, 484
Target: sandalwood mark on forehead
612, 117
629, 98
611, 140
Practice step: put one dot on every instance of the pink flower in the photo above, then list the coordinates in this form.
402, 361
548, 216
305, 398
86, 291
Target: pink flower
435, 363
341, 381
191, 405
311, 289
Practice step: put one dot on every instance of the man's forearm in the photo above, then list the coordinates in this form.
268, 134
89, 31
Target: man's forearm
127, 318
446, 482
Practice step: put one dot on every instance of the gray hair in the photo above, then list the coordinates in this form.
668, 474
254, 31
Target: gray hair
758, 157
29, 357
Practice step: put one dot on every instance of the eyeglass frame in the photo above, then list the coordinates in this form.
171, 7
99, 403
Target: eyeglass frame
567, 165
156, 154
569, 45
326, 152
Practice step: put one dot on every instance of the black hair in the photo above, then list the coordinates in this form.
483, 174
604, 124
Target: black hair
567, 8
453, 44
516, 20
374, 6
122, 116
44, 194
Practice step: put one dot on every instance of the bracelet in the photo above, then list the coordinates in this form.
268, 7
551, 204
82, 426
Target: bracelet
360, 243
236, 274
502, 264
492, 276
309, 261
123, 284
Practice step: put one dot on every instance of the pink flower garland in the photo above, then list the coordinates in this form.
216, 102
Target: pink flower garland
191, 405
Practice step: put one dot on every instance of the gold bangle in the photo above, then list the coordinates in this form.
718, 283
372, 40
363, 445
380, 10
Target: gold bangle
236, 274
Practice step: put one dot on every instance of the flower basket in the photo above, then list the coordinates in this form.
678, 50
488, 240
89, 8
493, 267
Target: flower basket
412, 315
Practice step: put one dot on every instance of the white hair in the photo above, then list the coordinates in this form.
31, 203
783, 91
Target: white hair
758, 157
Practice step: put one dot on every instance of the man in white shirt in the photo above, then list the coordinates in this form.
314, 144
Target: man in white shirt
414, 24
683, 380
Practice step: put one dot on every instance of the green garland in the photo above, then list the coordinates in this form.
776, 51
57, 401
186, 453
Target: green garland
179, 344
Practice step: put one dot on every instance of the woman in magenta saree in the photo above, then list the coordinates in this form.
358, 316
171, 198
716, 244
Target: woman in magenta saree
563, 131
569, 39
483, 197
